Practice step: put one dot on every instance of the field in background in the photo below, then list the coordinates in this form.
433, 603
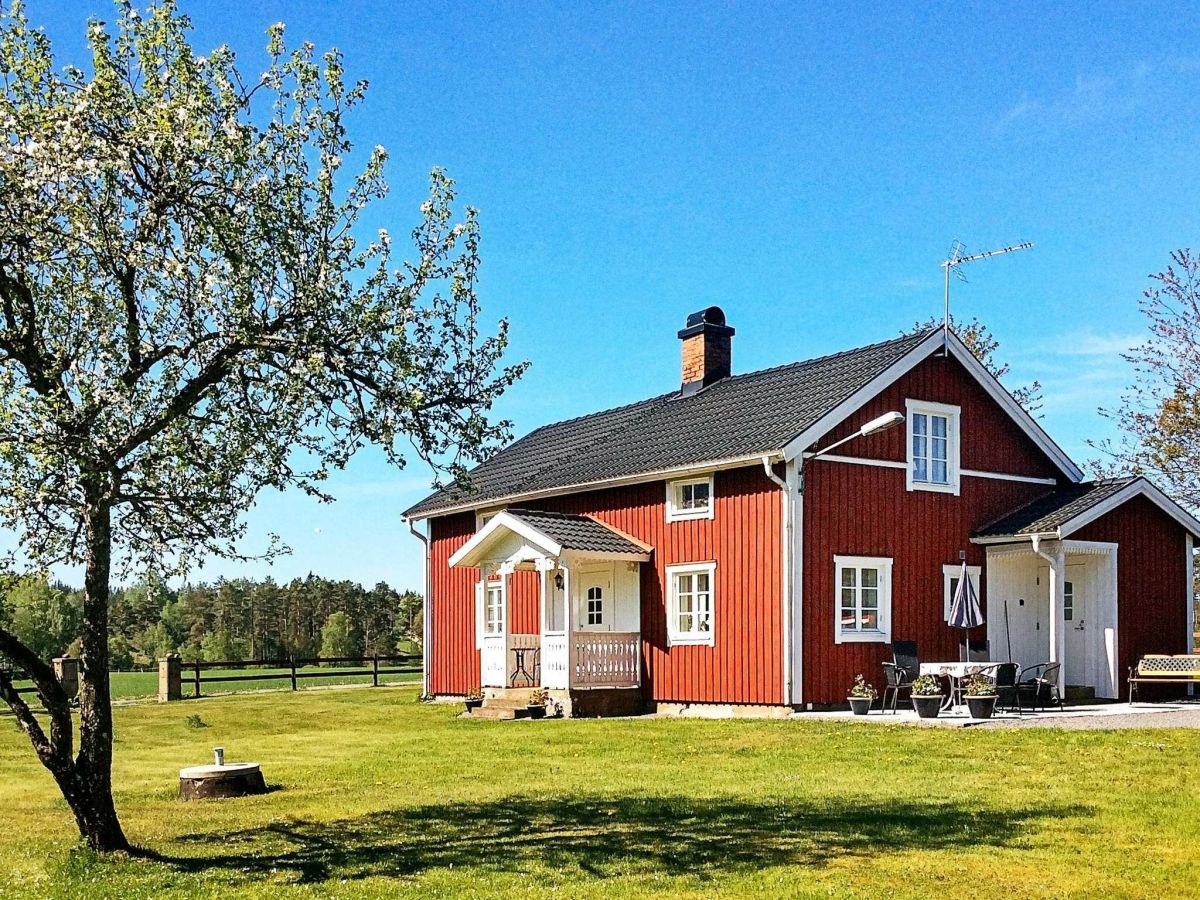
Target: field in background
137, 685
379, 796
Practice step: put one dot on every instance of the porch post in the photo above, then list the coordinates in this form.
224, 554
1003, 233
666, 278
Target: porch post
1058, 634
569, 624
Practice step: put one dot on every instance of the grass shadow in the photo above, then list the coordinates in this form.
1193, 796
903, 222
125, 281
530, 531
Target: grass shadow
600, 837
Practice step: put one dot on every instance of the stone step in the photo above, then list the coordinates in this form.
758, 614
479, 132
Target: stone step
521, 695
505, 703
493, 712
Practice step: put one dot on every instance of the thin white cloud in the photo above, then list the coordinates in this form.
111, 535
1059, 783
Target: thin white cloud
1091, 344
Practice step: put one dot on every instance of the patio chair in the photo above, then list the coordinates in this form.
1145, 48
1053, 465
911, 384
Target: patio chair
1038, 686
896, 680
974, 651
904, 655
1004, 677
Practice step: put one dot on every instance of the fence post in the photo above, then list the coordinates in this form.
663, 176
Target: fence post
375, 670
294, 685
170, 678
196, 678
66, 670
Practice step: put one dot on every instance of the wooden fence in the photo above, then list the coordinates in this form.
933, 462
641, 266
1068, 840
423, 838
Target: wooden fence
291, 669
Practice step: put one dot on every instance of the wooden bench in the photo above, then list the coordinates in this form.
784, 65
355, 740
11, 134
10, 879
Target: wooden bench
1162, 669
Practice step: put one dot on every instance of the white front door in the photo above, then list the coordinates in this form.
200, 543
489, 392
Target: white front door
596, 609
1077, 665
494, 643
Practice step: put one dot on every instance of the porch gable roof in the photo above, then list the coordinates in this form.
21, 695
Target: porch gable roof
553, 534
1069, 508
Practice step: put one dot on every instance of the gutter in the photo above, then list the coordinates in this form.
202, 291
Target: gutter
426, 612
786, 575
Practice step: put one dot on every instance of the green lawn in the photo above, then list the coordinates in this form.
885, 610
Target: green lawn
381, 796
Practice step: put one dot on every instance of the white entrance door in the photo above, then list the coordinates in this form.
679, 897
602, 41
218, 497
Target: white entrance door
596, 609
1076, 610
494, 642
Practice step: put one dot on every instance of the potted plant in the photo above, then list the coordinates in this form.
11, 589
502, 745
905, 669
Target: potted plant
927, 696
981, 697
537, 703
473, 699
862, 695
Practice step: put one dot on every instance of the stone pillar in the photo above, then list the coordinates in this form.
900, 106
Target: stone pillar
170, 678
66, 670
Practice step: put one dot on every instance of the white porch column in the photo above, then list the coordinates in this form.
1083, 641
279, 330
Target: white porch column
1056, 556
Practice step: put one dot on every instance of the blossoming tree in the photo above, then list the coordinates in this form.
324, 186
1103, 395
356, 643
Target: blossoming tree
188, 315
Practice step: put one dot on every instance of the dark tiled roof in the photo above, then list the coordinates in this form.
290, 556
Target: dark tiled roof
1048, 513
738, 417
577, 532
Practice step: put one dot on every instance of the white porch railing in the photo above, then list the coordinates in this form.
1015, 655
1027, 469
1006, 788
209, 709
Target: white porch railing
605, 658
554, 660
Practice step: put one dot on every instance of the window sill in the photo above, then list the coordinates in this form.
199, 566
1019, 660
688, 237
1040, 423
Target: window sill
863, 637
933, 487
689, 515
689, 640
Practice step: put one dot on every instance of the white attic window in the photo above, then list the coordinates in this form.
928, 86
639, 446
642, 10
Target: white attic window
690, 498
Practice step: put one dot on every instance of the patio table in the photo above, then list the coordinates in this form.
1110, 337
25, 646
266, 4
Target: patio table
954, 671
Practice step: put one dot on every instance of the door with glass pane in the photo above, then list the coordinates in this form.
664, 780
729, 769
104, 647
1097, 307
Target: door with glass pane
595, 601
494, 644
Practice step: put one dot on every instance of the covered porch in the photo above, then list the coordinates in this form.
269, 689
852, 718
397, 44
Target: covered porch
584, 577
1056, 601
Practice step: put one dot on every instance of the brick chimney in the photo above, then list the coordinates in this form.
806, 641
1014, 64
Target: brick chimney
707, 343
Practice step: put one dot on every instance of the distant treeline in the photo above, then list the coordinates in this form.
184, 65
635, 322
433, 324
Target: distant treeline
238, 619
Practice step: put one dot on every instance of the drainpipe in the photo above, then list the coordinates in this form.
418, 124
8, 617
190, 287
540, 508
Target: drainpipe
785, 493
1057, 635
426, 612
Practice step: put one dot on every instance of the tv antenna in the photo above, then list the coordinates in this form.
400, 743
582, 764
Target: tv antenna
952, 264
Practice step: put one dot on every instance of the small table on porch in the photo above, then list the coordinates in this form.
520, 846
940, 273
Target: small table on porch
955, 671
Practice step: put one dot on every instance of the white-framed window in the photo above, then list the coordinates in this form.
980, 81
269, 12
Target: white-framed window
862, 599
933, 441
493, 608
483, 516
690, 498
950, 577
1068, 601
595, 605
690, 591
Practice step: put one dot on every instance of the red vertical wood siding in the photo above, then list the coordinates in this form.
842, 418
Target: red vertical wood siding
991, 441
453, 656
1152, 588
744, 539
853, 510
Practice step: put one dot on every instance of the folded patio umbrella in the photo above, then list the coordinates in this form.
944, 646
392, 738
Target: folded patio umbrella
964, 607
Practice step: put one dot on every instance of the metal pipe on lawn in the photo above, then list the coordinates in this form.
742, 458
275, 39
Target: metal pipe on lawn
426, 612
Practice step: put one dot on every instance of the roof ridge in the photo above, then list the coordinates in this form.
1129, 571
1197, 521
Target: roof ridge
916, 336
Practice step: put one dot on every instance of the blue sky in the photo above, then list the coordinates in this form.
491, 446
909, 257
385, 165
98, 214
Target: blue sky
806, 169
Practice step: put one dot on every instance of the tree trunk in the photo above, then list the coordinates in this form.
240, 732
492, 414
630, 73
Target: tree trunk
89, 790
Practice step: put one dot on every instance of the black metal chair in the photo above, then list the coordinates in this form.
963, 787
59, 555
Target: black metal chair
895, 680
1038, 686
974, 651
904, 655
1005, 677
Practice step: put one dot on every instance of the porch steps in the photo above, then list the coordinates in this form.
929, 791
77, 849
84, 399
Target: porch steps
499, 712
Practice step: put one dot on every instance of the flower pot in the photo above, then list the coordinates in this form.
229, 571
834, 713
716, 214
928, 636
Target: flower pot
981, 707
473, 704
536, 710
927, 705
859, 705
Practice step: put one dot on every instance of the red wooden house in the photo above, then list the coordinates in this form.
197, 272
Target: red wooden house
712, 546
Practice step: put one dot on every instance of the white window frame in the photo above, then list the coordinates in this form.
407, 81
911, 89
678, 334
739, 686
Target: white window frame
881, 635
675, 512
483, 516
588, 600
675, 637
500, 588
953, 415
950, 572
